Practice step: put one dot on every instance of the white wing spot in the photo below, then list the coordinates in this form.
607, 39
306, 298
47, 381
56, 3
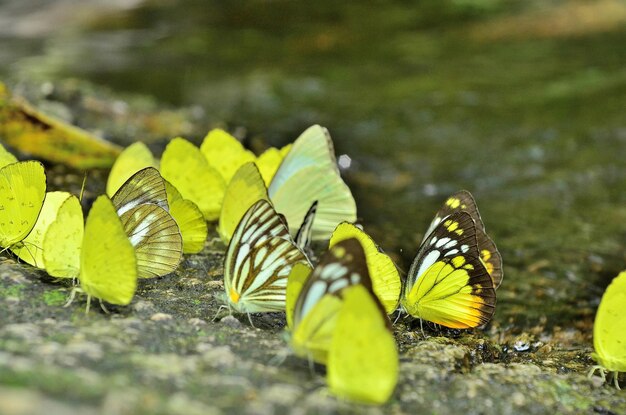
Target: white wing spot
464, 248
428, 260
441, 242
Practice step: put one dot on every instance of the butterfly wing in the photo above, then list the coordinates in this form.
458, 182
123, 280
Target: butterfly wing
154, 234
610, 327
363, 357
22, 193
191, 222
447, 283
63, 240
320, 299
225, 153
258, 261
308, 173
145, 186
304, 235
108, 266
383, 272
6, 157
31, 250
269, 161
185, 167
135, 157
244, 189
489, 254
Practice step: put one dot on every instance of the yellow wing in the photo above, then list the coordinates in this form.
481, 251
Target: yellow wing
31, 250
63, 240
225, 153
383, 272
269, 161
297, 277
244, 189
134, 158
22, 192
156, 238
308, 173
193, 227
448, 284
609, 329
363, 358
108, 267
6, 157
185, 167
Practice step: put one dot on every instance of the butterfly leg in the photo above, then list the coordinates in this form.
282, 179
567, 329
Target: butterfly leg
106, 311
616, 380
88, 304
250, 320
218, 311
71, 297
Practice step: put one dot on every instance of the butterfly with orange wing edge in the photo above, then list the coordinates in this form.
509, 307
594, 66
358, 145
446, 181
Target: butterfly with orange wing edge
141, 204
258, 261
449, 283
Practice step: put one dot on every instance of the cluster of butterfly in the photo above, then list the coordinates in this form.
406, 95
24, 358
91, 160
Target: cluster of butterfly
337, 311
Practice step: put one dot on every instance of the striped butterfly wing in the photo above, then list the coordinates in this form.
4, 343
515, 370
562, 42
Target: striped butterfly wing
258, 261
305, 232
145, 186
341, 266
489, 254
155, 235
448, 283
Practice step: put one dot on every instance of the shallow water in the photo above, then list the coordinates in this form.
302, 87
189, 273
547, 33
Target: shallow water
502, 98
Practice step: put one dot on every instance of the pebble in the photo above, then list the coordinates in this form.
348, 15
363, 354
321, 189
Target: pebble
161, 317
231, 322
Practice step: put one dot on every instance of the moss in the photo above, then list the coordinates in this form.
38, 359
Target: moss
55, 298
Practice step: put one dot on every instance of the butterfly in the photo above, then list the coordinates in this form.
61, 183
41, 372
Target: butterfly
383, 273
98, 253
258, 261
308, 173
609, 331
141, 204
190, 220
226, 154
448, 283
464, 201
22, 195
187, 169
336, 319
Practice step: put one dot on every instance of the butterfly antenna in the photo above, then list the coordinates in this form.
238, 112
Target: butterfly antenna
82, 187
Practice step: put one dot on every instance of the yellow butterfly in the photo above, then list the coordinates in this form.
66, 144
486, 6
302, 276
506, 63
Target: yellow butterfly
226, 154
448, 283
609, 331
308, 173
141, 204
363, 357
22, 194
258, 261
187, 169
98, 253
244, 189
191, 222
336, 319
383, 272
